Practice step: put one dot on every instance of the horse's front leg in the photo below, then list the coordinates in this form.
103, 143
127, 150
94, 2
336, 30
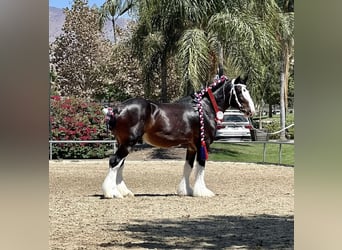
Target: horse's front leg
184, 185
200, 189
120, 184
113, 185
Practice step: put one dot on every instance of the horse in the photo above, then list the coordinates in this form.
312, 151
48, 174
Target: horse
190, 123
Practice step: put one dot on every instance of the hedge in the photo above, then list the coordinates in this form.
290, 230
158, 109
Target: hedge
77, 119
274, 126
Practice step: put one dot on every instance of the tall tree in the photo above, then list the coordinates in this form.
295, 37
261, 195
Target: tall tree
80, 53
123, 71
160, 26
246, 31
203, 33
112, 10
285, 36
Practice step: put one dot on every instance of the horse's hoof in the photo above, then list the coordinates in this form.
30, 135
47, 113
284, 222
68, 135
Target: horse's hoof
112, 195
203, 192
106, 196
184, 193
119, 196
129, 194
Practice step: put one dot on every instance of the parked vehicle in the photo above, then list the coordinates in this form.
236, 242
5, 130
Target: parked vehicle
235, 127
276, 112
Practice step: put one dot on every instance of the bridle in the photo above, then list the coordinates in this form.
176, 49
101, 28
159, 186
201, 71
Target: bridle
233, 93
219, 114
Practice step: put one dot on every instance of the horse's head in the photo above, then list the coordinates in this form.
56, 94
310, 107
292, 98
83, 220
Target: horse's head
109, 118
240, 98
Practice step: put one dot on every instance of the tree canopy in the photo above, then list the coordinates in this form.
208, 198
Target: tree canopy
174, 48
80, 54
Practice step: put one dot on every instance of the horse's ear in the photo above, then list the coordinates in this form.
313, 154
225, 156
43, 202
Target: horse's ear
220, 70
242, 79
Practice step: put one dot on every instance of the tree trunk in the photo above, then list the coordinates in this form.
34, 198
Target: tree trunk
164, 78
147, 88
283, 87
114, 26
270, 110
261, 111
286, 6
220, 66
282, 106
287, 68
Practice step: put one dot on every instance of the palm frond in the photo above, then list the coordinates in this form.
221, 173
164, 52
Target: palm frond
194, 57
286, 27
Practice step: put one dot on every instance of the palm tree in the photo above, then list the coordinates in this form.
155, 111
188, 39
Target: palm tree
203, 33
111, 10
240, 31
286, 39
159, 27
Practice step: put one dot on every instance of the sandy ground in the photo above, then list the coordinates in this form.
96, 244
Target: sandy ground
253, 207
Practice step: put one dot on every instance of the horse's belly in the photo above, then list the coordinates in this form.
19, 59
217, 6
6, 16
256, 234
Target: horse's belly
164, 141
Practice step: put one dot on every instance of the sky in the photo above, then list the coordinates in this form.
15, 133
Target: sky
68, 3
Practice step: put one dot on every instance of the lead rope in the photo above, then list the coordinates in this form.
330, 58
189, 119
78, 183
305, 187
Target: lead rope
199, 96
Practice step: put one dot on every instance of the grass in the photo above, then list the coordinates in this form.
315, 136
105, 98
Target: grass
249, 152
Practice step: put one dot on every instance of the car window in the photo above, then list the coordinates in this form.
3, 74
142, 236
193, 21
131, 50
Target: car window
234, 118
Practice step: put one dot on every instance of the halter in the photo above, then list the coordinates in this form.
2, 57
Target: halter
233, 92
219, 114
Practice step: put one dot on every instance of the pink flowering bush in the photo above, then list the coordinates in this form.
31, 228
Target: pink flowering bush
76, 119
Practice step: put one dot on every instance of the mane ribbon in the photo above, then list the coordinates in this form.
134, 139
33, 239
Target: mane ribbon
219, 114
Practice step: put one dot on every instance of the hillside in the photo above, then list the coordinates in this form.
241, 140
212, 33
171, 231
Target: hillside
56, 21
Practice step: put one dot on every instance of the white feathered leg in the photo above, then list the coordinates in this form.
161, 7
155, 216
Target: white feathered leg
121, 186
109, 185
184, 185
200, 189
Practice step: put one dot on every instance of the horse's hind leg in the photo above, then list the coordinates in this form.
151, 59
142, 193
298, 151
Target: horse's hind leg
200, 189
113, 185
184, 185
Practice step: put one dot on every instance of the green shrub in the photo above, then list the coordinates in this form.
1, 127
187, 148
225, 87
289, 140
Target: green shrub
76, 119
274, 126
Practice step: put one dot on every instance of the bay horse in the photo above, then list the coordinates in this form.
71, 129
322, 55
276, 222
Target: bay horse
189, 123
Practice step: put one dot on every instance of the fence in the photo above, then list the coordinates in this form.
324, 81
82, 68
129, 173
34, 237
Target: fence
291, 142
280, 143
88, 141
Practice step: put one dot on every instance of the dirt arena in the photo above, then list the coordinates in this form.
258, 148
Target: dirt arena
253, 207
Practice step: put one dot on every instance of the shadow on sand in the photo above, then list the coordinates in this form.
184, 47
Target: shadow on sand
213, 232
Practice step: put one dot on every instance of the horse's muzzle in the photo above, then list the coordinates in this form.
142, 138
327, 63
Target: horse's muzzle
250, 113
247, 113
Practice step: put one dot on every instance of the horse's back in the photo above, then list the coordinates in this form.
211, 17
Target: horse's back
159, 124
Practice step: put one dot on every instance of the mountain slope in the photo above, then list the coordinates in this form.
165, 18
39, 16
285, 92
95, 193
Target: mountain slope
57, 17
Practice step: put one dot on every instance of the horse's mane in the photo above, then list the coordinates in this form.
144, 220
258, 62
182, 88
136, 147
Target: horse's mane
192, 97
185, 99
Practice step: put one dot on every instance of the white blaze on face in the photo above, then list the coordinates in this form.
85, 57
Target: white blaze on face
247, 96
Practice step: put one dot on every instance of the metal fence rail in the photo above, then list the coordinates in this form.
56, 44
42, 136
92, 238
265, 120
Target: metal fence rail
280, 143
87, 141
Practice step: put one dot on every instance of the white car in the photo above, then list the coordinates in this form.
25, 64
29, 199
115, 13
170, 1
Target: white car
234, 127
